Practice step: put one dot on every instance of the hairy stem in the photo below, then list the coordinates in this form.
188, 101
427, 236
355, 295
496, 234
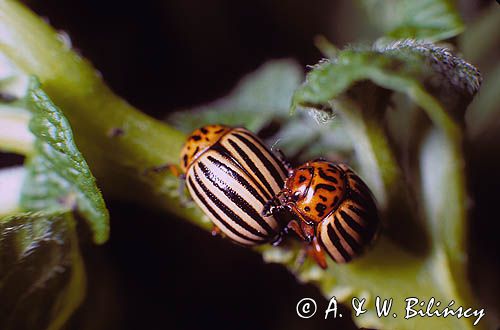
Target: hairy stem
124, 147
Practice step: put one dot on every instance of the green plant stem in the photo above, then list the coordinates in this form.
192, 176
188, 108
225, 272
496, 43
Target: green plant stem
122, 145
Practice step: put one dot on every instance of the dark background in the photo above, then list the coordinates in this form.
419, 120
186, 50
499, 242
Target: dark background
158, 272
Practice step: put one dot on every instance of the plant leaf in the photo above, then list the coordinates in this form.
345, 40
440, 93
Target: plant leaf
357, 86
42, 279
14, 133
425, 19
257, 99
58, 176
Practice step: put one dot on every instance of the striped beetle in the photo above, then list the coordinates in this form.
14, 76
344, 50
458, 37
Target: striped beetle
231, 175
331, 208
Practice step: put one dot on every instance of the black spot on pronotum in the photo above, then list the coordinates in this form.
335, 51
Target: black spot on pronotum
332, 168
185, 160
220, 130
323, 198
326, 187
116, 132
196, 137
204, 130
307, 208
302, 179
320, 208
326, 177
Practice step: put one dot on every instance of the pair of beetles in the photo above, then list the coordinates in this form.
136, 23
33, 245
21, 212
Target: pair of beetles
253, 196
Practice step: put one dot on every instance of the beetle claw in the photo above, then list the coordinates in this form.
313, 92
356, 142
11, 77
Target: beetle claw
315, 251
216, 231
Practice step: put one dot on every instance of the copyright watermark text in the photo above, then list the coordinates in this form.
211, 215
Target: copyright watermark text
413, 307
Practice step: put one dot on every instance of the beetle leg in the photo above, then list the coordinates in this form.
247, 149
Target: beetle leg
303, 226
278, 239
161, 168
308, 231
282, 158
216, 231
294, 226
269, 208
315, 251
184, 199
175, 170
273, 206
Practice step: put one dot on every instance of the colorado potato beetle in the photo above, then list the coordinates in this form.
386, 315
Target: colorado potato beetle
331, 207
231, 174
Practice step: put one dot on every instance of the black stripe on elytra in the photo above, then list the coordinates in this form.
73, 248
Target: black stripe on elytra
227, 211
259, 142
267, 163
336, 242
361, 230
235, 175
217, 216
348, 238
220, 130
256, 171
369, 218
326, 177
334, 168
225, 153
359, 212
239, 201
363, 199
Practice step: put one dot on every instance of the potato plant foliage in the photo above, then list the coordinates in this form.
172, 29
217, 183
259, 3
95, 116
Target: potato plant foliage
395, 110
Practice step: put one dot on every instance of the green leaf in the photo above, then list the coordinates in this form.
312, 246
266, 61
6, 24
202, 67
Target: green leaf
257, 99
432, 20
58, 176
357, 86
42, 279
405, 66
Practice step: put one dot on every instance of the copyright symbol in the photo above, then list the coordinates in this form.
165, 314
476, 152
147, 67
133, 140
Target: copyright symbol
306, 308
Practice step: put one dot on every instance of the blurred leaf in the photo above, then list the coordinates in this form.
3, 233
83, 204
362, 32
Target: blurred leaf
58, 176
483, 116
431, 20
357, 85
41, 271
257, 99
481, 43
14, 133
303, 138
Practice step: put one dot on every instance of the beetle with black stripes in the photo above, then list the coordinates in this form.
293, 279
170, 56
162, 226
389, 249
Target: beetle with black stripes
231, 174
